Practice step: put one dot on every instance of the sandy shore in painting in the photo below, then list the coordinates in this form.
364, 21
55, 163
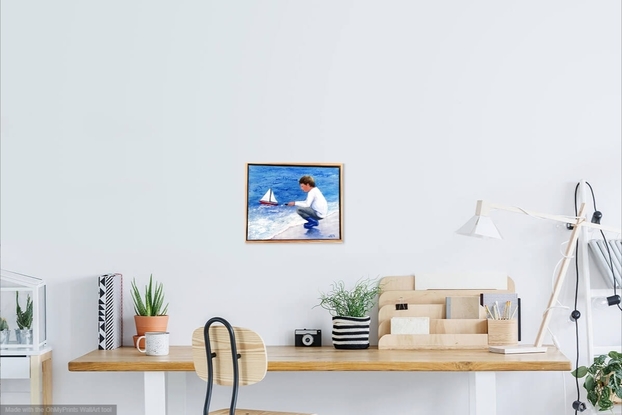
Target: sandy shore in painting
327, 229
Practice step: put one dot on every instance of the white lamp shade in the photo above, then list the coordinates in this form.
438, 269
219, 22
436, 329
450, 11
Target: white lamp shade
480, 227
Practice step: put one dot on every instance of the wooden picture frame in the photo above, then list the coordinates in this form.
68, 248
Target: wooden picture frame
270, 187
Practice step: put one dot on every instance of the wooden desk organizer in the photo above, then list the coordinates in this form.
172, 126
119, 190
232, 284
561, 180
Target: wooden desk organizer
424, 295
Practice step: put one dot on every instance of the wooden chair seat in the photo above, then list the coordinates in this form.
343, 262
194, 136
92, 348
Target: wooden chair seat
225, 342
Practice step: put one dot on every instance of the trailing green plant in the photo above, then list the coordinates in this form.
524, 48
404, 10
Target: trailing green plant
356, 302
3, 324
603, 381
151, 304
24, 318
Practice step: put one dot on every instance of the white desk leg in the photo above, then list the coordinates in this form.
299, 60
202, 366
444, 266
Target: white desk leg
482, 393
155, 393
176, 392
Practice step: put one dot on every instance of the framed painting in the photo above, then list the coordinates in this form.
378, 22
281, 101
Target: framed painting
294, 202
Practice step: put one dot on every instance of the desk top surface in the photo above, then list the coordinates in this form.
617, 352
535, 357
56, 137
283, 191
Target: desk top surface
290, 358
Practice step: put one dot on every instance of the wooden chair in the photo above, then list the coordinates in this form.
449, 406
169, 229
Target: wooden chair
237, 357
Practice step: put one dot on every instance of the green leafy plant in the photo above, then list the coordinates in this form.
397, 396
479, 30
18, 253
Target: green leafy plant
603, 381
24, 318
3, 324
151, 304
356, 302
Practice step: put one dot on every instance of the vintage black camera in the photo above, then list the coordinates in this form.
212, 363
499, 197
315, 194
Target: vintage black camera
307, 337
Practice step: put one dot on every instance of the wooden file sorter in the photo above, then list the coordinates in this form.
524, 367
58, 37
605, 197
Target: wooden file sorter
425, 296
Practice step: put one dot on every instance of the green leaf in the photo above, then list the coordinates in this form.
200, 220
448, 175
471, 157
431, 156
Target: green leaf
579, 372
139, 306
151, 304
356, 302
589, 383
605, 402
24, 318
592, 397
604, 380
615, 355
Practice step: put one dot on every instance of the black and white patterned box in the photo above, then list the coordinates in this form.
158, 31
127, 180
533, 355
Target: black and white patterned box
110, 313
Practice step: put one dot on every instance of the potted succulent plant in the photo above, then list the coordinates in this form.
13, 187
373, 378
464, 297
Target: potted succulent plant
350, 309
604, 380
4, 331
149, 308
24, 320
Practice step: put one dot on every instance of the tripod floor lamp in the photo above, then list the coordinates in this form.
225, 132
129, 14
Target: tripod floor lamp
481, 226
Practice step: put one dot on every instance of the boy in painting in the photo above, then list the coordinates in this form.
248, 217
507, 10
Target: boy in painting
315, 207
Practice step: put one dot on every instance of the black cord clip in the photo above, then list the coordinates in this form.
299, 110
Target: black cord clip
613, 300
575, 315
579, 406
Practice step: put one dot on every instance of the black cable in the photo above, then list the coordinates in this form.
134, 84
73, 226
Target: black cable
576, 296
593, 198
576, 322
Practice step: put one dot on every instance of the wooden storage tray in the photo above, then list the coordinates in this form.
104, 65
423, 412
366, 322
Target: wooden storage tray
445, 326
433, 341
444, 333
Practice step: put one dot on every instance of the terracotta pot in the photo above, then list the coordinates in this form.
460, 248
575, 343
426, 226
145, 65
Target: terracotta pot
149, 323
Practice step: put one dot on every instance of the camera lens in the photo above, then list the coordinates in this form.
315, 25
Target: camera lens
307, 340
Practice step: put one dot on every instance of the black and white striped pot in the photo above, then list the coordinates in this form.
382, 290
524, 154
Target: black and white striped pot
351, 332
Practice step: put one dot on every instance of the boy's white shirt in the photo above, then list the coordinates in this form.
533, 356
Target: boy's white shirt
316, 201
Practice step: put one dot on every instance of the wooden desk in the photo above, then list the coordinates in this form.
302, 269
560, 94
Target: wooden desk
480, 364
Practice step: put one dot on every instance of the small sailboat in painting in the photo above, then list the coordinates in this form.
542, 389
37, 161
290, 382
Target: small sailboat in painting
269, 199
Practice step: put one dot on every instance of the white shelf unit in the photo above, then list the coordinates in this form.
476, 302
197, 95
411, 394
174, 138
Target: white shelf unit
24, 352
583, 257
25, 293
594, 348
36, 366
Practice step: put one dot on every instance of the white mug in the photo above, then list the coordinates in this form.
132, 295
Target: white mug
156, 343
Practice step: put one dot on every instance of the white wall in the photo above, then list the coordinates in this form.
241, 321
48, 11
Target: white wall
126, 127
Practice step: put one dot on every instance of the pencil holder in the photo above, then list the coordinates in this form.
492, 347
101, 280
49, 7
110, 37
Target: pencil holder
502, 332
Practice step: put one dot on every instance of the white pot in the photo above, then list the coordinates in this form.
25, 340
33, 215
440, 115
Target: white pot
5, 335
23, 336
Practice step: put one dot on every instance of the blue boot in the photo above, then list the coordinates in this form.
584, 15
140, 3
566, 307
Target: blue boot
310, 223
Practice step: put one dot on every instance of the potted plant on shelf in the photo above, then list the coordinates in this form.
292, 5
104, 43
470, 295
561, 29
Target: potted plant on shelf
23, 333
4, 331
350, 309
149, 309
604, 380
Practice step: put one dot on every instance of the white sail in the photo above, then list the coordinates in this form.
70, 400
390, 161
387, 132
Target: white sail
269, 197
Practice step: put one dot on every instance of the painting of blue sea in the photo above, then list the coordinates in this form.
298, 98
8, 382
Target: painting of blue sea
270, 188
